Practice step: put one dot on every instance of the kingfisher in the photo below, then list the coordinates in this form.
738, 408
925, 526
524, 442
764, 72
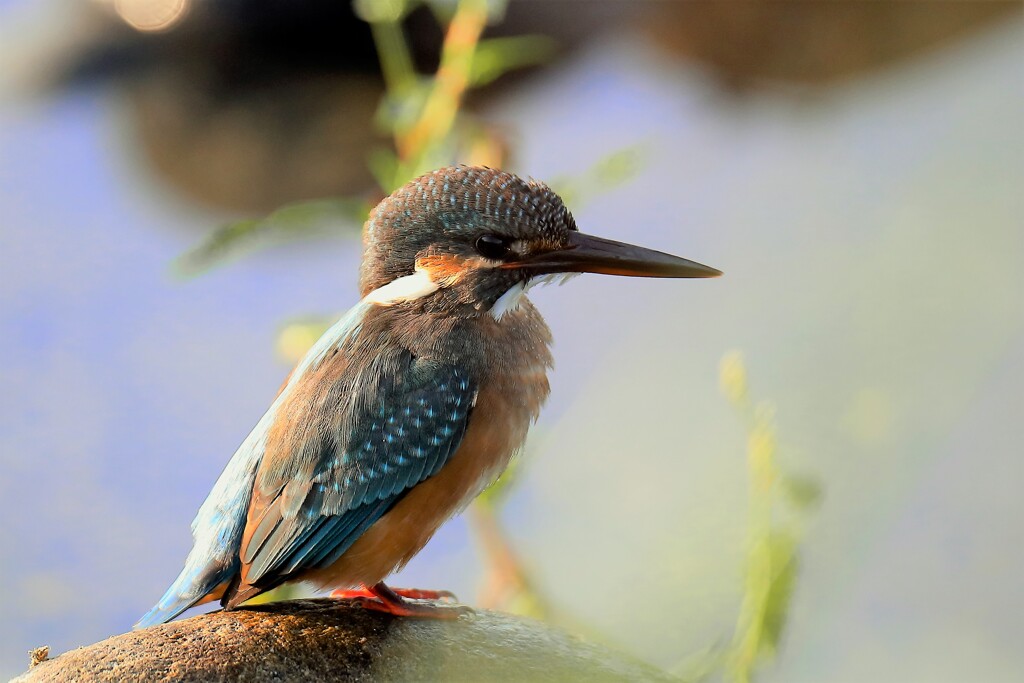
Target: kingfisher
410, 405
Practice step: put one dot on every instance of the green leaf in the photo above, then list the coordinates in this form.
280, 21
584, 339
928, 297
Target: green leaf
702, 665
384, 165
398, 112
617, 168
804, 492
298, 336
495, 57
609, 172
373, 11
300, 220
292, 591
782, 551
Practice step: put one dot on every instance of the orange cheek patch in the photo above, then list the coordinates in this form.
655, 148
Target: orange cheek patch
445, 269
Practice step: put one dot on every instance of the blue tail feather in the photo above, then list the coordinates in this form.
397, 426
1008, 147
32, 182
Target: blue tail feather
190, 587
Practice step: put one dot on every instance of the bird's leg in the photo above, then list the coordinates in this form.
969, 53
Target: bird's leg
380, 598
411, 593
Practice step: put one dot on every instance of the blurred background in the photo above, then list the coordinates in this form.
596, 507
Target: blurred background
807, 470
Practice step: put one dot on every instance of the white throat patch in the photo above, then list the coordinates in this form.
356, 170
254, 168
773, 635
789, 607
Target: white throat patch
510, 300
405, 288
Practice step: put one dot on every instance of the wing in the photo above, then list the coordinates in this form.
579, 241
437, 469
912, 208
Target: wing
358, 436
219, 525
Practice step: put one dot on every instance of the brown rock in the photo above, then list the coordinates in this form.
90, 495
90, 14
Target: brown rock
319, 640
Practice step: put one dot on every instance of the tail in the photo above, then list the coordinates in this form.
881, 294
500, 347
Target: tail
192, 587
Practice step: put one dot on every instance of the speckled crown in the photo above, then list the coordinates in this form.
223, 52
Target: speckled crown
455, 201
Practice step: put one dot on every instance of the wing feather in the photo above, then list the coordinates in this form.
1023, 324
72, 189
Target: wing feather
221, 525
367, 453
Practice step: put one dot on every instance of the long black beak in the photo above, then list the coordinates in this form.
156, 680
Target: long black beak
589, 254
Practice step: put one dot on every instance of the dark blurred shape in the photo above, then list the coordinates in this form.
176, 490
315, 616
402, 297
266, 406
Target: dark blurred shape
257, 150
813, 42
235, 44
247, 105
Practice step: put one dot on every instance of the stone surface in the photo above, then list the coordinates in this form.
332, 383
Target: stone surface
305, 640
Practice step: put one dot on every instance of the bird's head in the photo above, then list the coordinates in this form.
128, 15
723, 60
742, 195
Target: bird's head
471, 240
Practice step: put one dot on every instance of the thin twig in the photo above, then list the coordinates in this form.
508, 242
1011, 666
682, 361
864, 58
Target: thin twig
439, 111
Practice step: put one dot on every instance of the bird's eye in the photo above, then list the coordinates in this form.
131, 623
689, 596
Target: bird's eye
493, 247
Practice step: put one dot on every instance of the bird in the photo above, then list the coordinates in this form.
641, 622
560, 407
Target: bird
410, 405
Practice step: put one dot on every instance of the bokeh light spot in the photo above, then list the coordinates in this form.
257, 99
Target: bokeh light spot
151, 15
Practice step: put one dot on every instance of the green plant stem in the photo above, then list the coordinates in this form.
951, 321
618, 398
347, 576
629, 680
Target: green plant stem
395, 60
453, 76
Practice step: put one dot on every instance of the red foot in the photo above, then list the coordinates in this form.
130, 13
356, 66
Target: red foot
380, 598
411, 593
